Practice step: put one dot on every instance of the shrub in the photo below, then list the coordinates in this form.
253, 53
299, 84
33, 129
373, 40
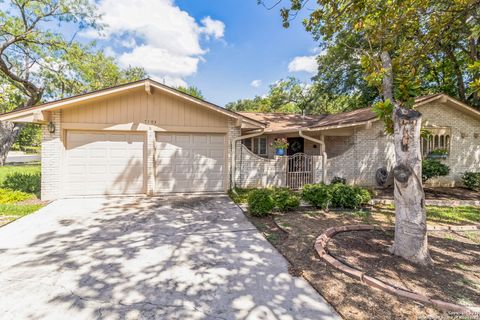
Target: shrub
318, 195
471, 180
336, 180
260, 202
344, 196
336, 195
433, 168
10, 196
285, 199
25, 182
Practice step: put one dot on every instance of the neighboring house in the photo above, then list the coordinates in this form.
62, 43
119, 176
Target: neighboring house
147, 138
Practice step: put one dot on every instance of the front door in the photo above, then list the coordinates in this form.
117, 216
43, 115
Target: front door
295, 145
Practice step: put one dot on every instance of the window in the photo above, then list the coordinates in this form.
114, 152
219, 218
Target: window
437, 143
256, 145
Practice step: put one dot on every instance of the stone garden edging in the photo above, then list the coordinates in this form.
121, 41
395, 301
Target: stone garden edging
320, 247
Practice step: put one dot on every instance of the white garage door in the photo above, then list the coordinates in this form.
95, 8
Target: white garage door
190, 162
103, 163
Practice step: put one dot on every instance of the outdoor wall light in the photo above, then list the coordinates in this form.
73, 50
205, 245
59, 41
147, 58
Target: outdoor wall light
51, 127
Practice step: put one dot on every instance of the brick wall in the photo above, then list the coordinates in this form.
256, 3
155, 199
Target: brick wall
464, 145
233, 132
255, 171
358, 157
52, 151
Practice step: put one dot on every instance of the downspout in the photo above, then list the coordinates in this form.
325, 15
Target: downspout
234, 153
324, 154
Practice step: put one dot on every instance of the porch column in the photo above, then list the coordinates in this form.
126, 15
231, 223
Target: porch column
281, 171
318, 169
150, 150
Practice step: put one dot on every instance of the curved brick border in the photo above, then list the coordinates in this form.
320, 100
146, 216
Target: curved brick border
320, 247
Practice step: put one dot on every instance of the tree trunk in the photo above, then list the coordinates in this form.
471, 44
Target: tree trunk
8, 135
410, 215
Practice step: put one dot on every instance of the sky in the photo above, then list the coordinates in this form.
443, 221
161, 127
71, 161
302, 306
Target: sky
229, 49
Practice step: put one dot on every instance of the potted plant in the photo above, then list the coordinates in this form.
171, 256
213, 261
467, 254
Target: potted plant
280, 145
438, 154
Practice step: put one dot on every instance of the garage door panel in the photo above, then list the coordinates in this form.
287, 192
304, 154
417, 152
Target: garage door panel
190, 186
190, 162
188, 176
104, 163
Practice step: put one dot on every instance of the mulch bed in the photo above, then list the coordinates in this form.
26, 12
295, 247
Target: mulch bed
454, 277
436, 194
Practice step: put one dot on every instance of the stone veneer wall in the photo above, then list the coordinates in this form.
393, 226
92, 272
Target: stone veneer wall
358, 157
52, 150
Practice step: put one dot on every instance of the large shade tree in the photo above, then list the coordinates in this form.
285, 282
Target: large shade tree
38, 62
398, 37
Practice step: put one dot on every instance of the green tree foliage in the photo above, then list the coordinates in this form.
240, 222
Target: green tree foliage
31, 136
435, 45
292, 96
191, 90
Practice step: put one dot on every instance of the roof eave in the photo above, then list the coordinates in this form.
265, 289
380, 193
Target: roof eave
147, 83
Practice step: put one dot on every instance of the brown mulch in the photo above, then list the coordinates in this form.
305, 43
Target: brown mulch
457, 261
435, 194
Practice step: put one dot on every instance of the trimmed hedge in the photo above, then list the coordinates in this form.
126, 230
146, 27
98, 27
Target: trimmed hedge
471, 180
25, 182
336, 195
433, 168
285, 199
260, 202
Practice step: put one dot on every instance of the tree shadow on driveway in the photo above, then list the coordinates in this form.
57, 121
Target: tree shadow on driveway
147, 258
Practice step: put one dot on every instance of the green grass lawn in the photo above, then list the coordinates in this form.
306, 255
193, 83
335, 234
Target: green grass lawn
6, 170
449, 215
11, 201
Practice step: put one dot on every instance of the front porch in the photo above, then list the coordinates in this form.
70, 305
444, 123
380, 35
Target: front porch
305, 161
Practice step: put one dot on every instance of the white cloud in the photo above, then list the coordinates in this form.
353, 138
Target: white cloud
214, 28
156, 35
256, 83
304, 63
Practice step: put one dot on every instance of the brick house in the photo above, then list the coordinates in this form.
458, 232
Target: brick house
353, 145
146, 138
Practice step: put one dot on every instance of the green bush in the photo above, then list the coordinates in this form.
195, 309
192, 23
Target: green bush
471, 180
11, 196
318, 195
25, 182
433, 168
260, 202
336, 196
285, 199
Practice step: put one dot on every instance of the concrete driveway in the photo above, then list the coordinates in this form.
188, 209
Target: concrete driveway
147, 258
